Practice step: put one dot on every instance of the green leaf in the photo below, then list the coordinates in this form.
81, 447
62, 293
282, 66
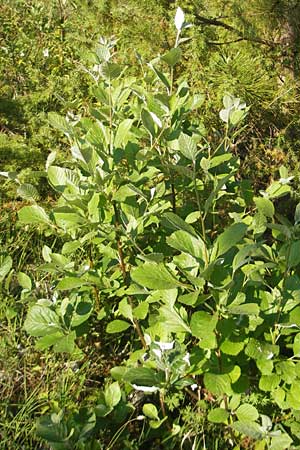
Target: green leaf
148, 122
218, 384
142, 376
60, 123
172, 57
5, 267
66, 344
173, 321
28, 192
283, 441
70, 247
60, 177
247, 413
173, 221
47, 341
81, 313
112, 394
24, 281
116, 326
125, 309
218, 415
228, 239
161, 76
97, 135
102, 410
232, 347
247, 309
122, 134
150, 411
141, 311
293, 254
69, 283
33, 215
222, 181
154, 276
264, 206
188, 147
268, 383
185, 242
251, 429
41, 321
277, 190
110, 71
203, 323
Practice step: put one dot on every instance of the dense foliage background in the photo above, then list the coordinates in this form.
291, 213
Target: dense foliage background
234, 50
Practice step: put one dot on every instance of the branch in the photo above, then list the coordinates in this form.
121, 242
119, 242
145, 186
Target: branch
219, 23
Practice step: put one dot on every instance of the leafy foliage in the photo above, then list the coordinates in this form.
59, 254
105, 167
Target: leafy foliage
154, 240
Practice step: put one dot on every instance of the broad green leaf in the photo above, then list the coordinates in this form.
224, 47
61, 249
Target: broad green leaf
173, 321
150, 411
247, 413
48, 340
264, 206
293, 254
188, 147
185, 242
67, 218
236, 116
172, 57
112, 394
69, 283
154, 276
110, 71
122, 134
232, 347
277, 190
5, 267
142, 376
125, 309
98, 135
70, 247
161, 76
41, 321
28, 192
175, 222
283, 441
218, 160
60, 123
102, 410
33, 215
81, 313
248, 309
116, 326
141, 311
189, 299
218, 415
66, 344
148, 122
218, 384
55, 432
243, 256
228, 239
60, 177
249, 428
269, 382
24, 281
203, 323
